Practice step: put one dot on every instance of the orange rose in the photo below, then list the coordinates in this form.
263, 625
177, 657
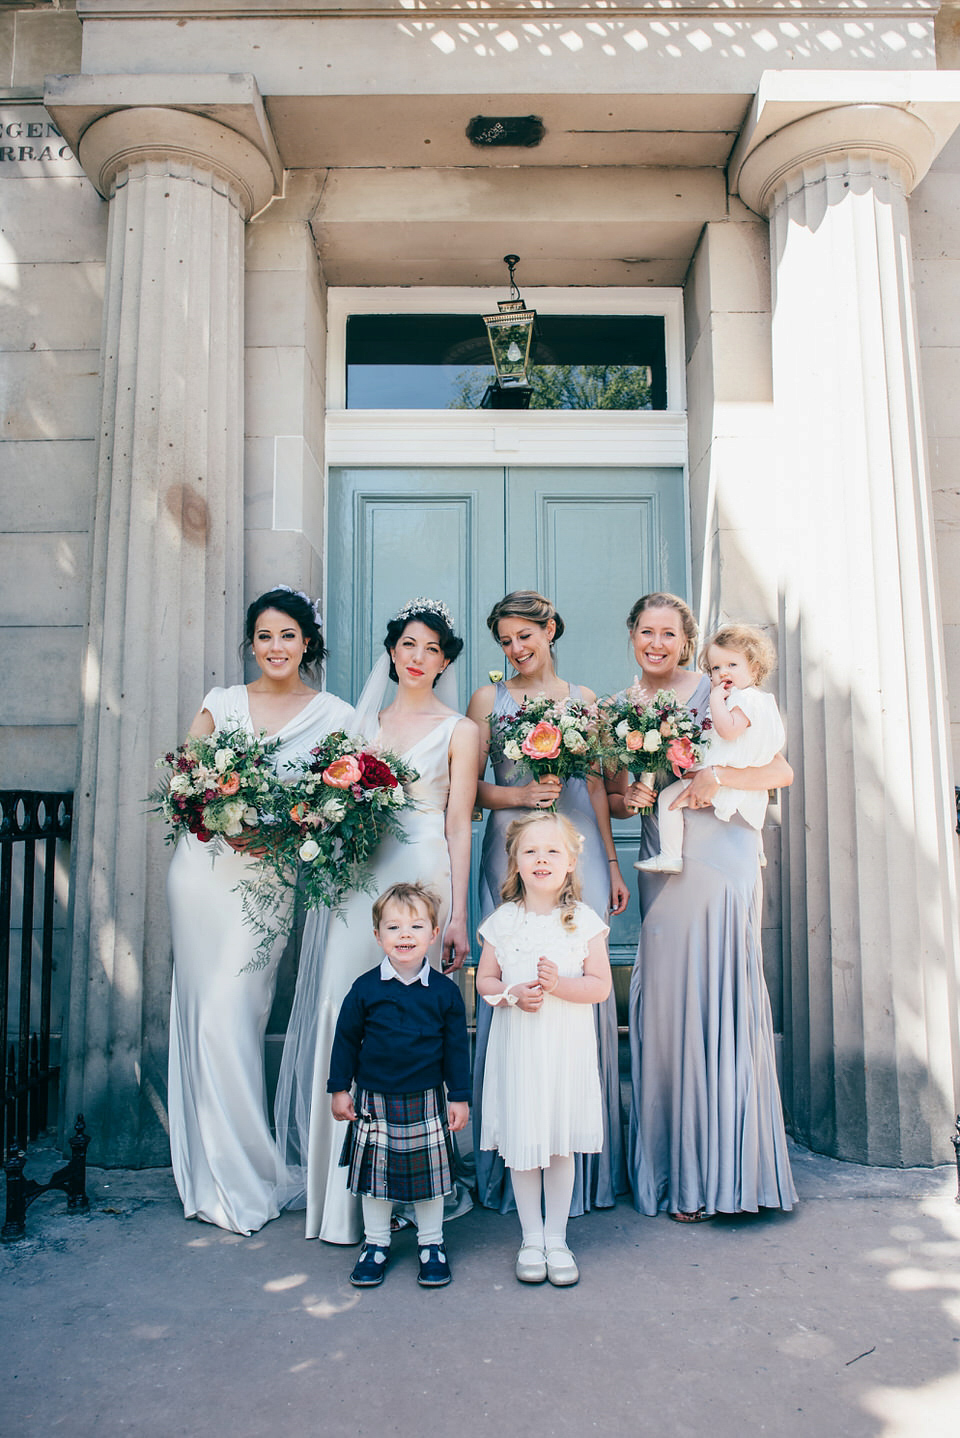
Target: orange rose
229, 785
634, 740
543, 741
342, 772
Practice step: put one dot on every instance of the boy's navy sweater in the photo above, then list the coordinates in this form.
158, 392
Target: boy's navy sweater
402, 1038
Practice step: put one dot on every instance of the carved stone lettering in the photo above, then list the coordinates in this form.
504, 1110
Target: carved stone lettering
31, 146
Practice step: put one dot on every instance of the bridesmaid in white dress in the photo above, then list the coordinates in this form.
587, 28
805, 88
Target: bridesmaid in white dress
225, 1160
443, 747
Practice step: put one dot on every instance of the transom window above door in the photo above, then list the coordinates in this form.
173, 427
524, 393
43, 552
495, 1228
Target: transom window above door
443, 361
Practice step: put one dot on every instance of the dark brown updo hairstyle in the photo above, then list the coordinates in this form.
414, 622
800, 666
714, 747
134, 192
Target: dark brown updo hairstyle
299, 608
668, 601
435, 616
524, 604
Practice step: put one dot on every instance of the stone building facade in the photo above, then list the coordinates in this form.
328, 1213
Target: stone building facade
195, 199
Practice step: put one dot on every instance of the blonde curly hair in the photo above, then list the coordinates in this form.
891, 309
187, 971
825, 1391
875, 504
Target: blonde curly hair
755, 646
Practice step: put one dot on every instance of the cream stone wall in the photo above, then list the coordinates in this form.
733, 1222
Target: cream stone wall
285, 356
935, 224
52, 243
733, 522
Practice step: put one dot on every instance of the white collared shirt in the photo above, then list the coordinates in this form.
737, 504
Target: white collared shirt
387, 971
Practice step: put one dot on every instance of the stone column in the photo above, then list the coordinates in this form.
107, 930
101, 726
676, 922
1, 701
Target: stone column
165, 607
871, 1057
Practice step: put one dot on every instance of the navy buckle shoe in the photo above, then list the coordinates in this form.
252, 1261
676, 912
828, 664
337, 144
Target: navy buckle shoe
370, 1267
434, 1268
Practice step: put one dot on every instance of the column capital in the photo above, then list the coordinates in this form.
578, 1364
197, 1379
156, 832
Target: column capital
801, 117
216, 122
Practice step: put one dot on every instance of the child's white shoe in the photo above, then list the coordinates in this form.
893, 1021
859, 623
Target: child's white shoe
562, 1269
531, 1264
659, 865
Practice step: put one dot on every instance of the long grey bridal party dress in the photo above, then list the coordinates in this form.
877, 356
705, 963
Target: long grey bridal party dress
706, 1124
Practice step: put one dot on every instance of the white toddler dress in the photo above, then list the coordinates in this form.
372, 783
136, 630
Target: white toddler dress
541, 1083
756, 746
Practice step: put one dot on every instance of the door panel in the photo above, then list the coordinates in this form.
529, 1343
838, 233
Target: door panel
397, 533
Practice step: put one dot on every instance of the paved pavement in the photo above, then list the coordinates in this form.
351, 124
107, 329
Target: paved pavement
842, 1318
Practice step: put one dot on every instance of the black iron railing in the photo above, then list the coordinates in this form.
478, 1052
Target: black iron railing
31, 826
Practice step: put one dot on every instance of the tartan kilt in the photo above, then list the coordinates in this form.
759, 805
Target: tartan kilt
399, 1146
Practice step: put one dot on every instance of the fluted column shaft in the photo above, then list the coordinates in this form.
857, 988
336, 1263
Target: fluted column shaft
165, 610
871, 1060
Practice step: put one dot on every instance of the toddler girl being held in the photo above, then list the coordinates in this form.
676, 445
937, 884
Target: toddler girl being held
544, 964
746, 731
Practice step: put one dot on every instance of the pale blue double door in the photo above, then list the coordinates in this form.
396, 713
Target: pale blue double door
594, 540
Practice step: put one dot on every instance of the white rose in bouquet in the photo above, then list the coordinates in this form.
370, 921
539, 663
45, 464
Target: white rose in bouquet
651, 741
223, 759
233, 818
512, 750
574, 741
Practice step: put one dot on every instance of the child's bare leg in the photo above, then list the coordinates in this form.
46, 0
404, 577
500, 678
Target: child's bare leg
670, 821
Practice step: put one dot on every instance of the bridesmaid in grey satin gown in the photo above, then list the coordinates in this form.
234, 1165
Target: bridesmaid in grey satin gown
525, 625
706, 1126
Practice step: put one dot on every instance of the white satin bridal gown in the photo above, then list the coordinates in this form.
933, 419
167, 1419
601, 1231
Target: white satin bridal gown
225, 1161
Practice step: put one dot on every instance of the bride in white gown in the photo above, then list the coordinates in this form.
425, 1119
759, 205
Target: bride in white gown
443, 747
225, 1160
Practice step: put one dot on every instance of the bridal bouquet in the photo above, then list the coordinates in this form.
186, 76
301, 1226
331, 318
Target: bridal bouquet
550, 737
338, 808
219, 785
328, 814
660, 737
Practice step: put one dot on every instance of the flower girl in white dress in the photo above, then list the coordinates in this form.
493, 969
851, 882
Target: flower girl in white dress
544, 963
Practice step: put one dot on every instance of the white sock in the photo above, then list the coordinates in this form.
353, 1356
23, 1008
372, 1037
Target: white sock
429, 1212
557, 1193
670, 821
377, 1213
528, 1190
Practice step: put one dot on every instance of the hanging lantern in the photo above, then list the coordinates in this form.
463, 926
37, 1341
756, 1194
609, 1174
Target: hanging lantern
510, 333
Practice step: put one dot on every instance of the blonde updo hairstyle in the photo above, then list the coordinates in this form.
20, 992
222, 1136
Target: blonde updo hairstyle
524, 604
746, 639
669, 601
511, 891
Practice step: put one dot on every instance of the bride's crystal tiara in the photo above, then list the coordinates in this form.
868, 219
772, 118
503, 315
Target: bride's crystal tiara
422, 605
314, 604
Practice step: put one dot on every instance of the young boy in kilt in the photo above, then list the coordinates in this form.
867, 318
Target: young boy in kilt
401, 1036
